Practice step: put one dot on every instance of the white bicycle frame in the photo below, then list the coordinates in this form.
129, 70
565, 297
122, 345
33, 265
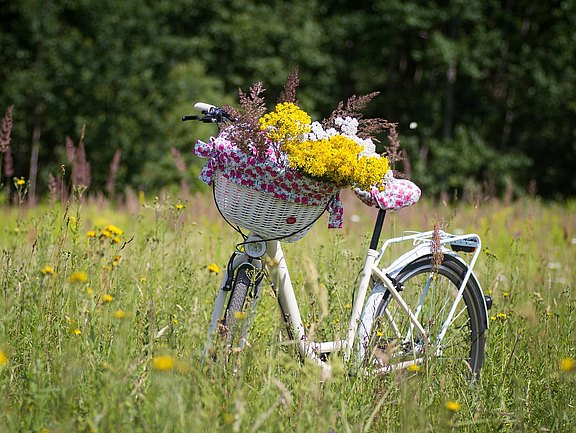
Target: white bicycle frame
371, 274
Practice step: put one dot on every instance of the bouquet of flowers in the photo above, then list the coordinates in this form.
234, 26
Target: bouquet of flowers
296, 160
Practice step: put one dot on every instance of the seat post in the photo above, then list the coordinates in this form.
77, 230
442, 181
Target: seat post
377, 229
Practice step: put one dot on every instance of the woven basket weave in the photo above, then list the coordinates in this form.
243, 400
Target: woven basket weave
262, 213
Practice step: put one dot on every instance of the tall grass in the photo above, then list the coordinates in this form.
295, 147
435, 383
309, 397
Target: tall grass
102, 330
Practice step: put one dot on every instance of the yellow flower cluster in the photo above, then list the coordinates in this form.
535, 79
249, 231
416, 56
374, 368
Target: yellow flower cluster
333, 159
110, 232
286, 124
336, 160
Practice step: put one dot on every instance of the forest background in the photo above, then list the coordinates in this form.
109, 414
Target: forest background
484, 91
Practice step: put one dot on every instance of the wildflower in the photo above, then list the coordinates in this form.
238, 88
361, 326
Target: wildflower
114, 230
3, 358
143, 279
453, 406
89, 291
163, 363
19, 182
414, 368
568, 364
47, 270
106, 234
78, 277
239, 315
213, 268
76, 331
108, 297
179, 206
116, 240
91, 234
121, 314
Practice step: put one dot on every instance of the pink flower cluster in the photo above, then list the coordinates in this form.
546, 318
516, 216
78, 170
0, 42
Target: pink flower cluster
398, 193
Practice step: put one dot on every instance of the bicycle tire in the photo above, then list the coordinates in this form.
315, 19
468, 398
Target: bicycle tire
463, 344
238, 293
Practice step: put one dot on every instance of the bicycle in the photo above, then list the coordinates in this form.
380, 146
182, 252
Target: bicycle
414, 308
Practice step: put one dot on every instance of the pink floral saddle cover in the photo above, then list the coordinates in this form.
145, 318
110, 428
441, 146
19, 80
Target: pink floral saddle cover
397, 194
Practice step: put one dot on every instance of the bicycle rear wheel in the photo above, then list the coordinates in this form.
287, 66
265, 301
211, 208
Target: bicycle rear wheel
430, 293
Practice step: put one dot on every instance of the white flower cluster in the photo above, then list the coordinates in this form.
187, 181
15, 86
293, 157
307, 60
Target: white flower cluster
348, 127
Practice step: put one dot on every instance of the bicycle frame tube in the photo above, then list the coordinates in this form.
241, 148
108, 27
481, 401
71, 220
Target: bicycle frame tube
365, 278
286, 298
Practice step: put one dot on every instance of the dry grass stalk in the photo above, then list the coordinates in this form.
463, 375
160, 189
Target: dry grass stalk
114, 166
81, 173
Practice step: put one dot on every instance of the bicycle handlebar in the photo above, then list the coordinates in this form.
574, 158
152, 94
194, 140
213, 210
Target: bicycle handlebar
211, 114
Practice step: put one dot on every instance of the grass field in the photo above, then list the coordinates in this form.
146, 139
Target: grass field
104, 311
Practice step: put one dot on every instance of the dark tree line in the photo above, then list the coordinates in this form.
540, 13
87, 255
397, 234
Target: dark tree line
484, 91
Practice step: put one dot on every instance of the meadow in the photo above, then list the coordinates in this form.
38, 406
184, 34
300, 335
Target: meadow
104, 311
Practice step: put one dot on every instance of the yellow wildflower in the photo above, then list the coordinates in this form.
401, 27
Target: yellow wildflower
179, 206
78, 277
453, 406
19, 181
568, 364
121, 314
114, 230
163, 363
116, 240
3, 358
499, 316
239, 315
108, 297
285, 124
106, 233
335, 159
213, 268
91, 234
77, 332
47, 270
415, 368
89, 291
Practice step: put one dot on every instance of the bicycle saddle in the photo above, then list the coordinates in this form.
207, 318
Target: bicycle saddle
397, 194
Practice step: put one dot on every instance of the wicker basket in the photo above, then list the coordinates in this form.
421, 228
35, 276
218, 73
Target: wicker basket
262, 213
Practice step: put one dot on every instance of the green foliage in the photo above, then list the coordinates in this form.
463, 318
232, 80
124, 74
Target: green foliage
500, 76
